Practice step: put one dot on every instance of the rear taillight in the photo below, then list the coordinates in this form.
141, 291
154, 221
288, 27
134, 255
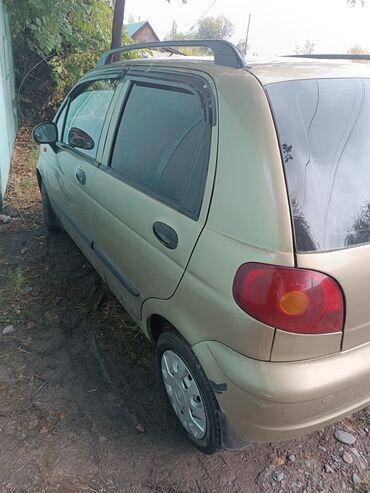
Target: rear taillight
290, 299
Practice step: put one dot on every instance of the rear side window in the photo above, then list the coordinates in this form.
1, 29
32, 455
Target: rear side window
323, 128
162, 145
87, 111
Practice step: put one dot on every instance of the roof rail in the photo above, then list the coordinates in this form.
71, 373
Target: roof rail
224, 53
346, 56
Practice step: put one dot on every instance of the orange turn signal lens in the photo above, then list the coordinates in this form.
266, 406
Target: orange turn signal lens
293, 303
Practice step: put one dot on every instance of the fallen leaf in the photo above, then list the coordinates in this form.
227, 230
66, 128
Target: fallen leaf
278, 460
347, 423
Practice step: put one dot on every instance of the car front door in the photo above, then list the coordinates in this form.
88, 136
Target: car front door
78, 151
153, 189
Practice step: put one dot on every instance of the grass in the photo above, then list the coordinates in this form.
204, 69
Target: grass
23, 196
10, 300
10, 312
23, 191
117, 326
19, 280
33, 157
364, 485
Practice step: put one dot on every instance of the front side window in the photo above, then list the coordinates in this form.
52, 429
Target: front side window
323, 128
162, 144
86, 113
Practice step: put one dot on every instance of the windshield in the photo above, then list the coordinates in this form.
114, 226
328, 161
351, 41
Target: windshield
324, 132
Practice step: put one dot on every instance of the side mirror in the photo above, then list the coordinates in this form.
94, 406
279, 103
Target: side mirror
45, 133
79, 138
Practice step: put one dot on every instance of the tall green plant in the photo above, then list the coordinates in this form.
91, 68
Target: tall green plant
69, 35
52, 26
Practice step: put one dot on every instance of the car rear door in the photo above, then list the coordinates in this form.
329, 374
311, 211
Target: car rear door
325, 145
71, 175
153, 189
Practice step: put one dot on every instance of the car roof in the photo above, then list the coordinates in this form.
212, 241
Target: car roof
292, 68
279, 69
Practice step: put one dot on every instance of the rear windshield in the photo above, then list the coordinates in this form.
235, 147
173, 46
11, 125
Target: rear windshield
324, 132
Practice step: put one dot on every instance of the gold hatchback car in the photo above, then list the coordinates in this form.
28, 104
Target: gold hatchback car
227, 206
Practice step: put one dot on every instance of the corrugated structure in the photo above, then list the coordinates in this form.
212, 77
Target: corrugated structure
8, 116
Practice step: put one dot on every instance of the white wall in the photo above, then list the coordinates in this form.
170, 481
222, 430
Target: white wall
8, 120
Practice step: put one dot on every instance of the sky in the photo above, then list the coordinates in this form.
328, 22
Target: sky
276, 26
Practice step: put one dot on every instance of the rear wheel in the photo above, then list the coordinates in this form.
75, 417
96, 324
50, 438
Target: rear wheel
189, 392
50, 219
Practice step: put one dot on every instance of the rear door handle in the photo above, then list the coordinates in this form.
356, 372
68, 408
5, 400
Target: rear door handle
81, 176
166, 235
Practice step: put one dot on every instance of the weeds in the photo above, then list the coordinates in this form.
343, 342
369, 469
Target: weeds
33, 157
117, 326
364, 485
23, 189
19, 280
9, 313
10, 306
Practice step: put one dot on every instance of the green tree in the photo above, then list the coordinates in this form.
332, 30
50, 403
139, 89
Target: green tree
243, 47
174, 34
359, 232
306, 49
54, 44
51, 27
131, 19
208, 28
214, 28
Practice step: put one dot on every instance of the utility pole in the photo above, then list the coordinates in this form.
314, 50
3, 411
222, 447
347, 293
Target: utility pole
117, 25
246, 37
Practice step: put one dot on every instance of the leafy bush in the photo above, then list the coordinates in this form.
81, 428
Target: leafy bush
54, 44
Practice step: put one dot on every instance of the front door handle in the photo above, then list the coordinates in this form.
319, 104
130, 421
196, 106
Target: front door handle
166, 235
81, 176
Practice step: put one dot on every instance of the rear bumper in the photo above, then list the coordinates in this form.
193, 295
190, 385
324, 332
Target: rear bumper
266, 401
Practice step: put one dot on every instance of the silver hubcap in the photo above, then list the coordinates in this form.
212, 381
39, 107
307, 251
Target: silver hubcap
184, 394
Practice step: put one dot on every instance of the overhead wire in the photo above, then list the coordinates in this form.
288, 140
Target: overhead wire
201, 17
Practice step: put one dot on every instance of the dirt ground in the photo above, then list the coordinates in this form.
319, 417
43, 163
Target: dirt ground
81, 407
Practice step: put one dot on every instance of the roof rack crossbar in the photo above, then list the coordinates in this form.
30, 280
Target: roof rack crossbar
224, 53
345, 56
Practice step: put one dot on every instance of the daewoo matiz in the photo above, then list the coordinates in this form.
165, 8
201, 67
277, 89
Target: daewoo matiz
227, 206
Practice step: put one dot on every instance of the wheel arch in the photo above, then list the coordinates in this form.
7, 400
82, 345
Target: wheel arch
157, 324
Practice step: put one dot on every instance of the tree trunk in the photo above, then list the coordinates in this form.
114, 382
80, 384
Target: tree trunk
117, 25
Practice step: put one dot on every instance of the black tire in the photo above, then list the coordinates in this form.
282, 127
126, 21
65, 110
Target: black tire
211, 442
50, 219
